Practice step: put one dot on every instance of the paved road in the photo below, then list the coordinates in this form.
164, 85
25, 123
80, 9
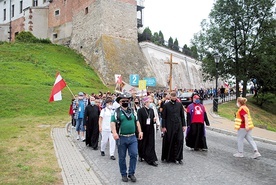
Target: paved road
216, 166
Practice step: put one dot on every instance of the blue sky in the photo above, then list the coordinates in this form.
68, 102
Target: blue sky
176, 18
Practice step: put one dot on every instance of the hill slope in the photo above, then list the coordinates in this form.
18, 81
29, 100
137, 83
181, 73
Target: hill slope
28, 74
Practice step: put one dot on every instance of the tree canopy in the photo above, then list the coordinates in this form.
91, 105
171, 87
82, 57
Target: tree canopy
242, 32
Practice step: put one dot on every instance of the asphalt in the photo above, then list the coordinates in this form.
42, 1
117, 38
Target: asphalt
75, 169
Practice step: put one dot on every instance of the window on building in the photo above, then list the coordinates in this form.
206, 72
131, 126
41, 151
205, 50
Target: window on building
86, 10
5, 14
21, 7
35, 2
55, 35
12, 11
56, 12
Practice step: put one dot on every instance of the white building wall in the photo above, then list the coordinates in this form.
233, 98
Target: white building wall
6, 4
40, 17
40, 22
185, 74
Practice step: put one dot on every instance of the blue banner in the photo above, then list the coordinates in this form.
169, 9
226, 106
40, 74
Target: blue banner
151, 82
134, 79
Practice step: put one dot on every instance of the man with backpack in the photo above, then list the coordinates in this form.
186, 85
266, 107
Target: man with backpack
124, 125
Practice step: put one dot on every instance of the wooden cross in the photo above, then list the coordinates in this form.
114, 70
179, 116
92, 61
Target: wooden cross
170, 77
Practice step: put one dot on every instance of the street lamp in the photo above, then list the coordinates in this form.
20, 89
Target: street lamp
215, 101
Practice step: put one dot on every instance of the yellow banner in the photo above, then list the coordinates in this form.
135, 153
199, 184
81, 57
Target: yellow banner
142, 84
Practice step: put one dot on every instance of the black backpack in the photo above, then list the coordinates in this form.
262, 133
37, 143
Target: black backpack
118, 121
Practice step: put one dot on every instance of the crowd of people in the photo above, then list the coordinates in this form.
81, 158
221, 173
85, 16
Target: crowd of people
131, 123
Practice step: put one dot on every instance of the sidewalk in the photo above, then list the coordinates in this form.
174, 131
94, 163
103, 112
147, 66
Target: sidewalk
74, 168
226, 126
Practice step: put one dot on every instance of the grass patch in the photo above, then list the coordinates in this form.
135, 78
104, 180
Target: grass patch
27, 153
261, 118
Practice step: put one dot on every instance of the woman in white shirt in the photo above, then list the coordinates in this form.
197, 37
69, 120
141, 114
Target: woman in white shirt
105, 129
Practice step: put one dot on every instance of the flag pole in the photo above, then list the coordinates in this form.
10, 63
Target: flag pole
70, 91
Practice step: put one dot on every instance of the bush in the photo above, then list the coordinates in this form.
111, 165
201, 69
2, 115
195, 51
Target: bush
28, 37
3, 42
267, 101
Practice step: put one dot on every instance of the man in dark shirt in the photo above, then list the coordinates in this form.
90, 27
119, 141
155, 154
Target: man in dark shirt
173, 126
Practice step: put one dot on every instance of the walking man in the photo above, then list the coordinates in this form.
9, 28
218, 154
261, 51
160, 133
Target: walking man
91, 116
123, 126
173, 127
146, 146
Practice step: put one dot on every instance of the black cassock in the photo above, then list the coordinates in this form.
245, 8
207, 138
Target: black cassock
91, 120
173, 120
146, 146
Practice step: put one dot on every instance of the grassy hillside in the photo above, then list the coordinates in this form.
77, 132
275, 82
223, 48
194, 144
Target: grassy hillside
28, 74
26, 117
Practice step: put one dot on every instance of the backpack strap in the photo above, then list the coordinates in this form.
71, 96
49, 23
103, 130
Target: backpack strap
118, 120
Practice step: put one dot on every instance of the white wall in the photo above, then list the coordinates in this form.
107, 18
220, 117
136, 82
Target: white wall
185, 74
5, 4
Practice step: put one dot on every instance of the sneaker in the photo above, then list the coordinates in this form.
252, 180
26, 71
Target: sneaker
256, 155
78, 137
238, 154
112, 157
83, 139
132, 178
102, 153
124, 178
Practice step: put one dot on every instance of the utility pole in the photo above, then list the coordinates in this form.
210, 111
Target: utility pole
170, 77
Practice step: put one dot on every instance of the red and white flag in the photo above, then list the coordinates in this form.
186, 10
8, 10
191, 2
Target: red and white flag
56, 90
226, 84
118, 79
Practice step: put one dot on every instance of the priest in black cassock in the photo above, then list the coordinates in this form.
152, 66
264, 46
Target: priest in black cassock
91, 121
146, 146
173, 127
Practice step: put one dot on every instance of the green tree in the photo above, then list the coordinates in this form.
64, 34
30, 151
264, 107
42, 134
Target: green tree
170, 43
145, 36
155, 38
234, 31
161, 38
186, 50
263, 65
194, 52
175, 46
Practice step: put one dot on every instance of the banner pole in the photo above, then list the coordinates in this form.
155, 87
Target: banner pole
70, 91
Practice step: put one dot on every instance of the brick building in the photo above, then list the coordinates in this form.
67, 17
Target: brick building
53, 19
